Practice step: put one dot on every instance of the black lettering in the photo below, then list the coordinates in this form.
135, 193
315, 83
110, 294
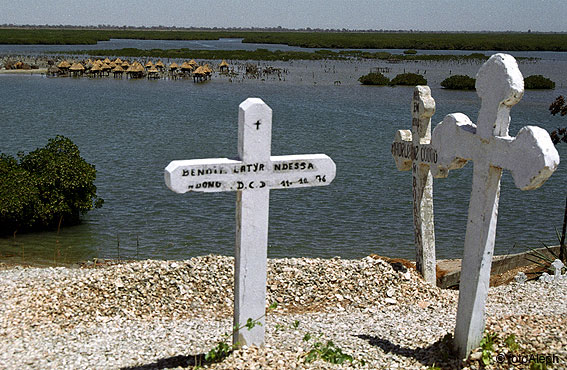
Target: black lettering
261, 167
251, 185
277, 167
240, 185
185, 173
262, 184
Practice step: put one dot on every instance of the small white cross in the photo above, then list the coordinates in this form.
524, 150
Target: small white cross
557, 265
531, 157
251, 176
412, 149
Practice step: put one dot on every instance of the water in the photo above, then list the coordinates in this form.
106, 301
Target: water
132, 129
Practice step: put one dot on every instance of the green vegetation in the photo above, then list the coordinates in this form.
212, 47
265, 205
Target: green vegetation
404, 79
46, 188
409, 79
410, 52
459, 82
333, 40
265, 54
487, 345
538, 82
374, 78
328, 352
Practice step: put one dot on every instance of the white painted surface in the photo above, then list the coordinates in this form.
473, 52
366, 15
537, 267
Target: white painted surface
530, 156
251, 176
412, 150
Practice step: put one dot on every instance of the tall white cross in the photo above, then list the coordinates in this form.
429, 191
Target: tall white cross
531, 157
251, 176
412, 150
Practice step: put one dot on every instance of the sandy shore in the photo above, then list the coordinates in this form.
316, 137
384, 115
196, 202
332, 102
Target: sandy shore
23, 71
168, 314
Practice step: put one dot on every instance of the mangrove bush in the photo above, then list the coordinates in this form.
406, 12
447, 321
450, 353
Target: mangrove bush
538, 82
45, 188
459, 82
409, 79
374, 78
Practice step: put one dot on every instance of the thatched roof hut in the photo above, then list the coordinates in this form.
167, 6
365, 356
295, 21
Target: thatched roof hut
153, 72
223, 65
160, 65
173, 66
95, 70
118, 71
136, 70
193, 63
107, 61
76, 67
64, 65
118, 61
186, 67
149, 64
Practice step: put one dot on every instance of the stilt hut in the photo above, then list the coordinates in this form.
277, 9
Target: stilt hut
193, 64
118, 71
76, 69
64, 66
186, 68
106, 68
153, 73
95, 71
208, 71
199, 74
160, 66
149, 65
136, 70
118, 62
223, 66
107, 61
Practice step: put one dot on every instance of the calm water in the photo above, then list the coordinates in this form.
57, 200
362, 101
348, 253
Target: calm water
132, 129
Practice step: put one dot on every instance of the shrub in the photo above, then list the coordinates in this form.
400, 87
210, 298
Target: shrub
408, 79
538, 82
410, 52
459, 82
46, 186
374, 79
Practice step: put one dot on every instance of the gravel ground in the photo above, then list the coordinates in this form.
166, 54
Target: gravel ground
167, 314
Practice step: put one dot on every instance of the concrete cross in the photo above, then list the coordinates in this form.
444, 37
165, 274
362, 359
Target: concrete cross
557, 265
251, 176
531, 158
412, 150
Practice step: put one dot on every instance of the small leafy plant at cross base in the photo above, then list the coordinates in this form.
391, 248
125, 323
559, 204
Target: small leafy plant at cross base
487, 345
222, 350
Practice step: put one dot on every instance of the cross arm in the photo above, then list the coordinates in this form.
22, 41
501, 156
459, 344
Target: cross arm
223, 174
452, 140
531, 156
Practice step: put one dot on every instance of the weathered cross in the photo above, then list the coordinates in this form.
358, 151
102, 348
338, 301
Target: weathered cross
251, 176
412, 150
531, 158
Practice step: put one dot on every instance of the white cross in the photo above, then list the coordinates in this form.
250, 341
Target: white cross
557, 265
251, 176
412, 150
531, 158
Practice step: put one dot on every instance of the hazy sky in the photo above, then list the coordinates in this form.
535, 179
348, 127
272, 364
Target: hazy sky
444, 15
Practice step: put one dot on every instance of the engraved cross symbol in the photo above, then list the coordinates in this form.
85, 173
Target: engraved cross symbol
258, 125
531, 157
412, 149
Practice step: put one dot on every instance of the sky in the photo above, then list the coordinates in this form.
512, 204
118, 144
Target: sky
422, 15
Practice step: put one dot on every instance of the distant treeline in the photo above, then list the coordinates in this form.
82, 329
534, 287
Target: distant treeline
265, 54
332, 40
